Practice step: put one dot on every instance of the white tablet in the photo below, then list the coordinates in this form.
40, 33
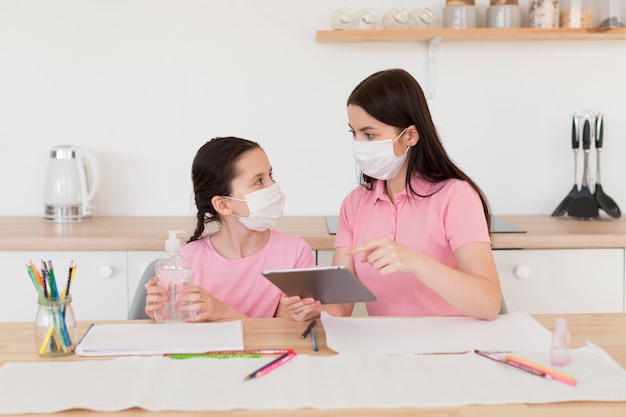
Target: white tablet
328, 284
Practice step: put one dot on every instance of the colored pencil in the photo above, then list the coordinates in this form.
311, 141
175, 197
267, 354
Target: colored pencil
285, 357
549, 372
308, 329
314, 340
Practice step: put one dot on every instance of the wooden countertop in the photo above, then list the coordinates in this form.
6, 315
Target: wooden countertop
129, 233
149, 233
545, 232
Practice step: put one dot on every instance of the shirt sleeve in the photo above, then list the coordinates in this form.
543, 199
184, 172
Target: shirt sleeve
344, 237
304, 257
464, 217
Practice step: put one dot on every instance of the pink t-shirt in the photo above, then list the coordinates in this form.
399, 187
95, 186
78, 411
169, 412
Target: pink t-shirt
436, 225
239, 282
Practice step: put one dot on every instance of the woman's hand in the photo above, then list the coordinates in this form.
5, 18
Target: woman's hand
298, 309
385, 255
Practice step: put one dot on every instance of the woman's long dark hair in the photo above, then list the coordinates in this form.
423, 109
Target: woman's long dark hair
395, 98
212, 172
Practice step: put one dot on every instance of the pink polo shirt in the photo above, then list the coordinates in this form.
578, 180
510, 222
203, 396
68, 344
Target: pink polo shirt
436, 225
239, 282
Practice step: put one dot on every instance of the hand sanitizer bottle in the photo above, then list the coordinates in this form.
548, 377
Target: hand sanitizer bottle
174, 272
560, 351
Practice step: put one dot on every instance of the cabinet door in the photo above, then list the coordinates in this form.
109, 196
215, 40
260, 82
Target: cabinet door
98, 289
562, 280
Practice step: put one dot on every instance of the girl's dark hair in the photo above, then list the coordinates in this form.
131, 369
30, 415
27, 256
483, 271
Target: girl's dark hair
395, 98
212, 172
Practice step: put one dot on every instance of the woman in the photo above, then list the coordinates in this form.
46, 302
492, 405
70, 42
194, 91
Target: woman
234, 187
416, 231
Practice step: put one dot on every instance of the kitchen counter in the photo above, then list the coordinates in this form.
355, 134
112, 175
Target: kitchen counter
149, 233
129, 233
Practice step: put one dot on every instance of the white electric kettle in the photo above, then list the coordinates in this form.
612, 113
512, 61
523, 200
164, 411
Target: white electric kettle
71, 182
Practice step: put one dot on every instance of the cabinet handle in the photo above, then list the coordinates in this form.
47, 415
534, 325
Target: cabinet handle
105, 271
522, 271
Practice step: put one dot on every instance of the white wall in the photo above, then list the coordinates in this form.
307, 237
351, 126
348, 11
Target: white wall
144, 83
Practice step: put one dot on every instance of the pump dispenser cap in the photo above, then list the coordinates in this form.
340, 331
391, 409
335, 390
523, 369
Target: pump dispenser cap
172, 244
561, 325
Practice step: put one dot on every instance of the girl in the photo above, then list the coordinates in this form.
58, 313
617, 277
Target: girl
416, 231
233, 187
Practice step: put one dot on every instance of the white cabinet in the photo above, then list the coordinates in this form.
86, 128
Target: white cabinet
562, 280
99, 290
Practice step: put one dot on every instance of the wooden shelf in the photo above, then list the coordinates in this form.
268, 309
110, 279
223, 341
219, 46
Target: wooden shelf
480, 34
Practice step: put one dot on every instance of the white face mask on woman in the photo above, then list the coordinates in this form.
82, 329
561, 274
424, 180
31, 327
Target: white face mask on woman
377, 159
265, 206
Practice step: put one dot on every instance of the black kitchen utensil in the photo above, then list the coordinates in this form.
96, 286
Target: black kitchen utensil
561, 209
583, 204
605, 202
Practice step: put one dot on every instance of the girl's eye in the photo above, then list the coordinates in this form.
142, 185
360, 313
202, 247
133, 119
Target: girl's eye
352, 133
369, 135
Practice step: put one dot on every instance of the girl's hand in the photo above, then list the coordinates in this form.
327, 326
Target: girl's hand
156, 295
203, 306
298, 309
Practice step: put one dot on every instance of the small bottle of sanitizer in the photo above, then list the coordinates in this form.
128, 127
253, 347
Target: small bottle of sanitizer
560, 349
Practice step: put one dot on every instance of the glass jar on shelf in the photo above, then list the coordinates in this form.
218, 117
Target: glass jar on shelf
420, 18
459, 14
341, 19
577, 14
543, 14
365, 19
610, 14
504, 14
397, 19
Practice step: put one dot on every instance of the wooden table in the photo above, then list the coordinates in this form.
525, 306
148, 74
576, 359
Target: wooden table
605, 330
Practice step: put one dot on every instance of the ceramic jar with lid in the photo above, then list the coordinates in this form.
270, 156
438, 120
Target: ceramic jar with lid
610, 14
459, 14
543, 14
577, 13
504, 14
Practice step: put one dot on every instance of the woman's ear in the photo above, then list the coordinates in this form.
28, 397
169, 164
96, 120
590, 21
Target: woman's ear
221, 206
414, 135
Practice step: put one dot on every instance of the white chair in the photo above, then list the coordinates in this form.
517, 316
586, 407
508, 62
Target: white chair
137, 308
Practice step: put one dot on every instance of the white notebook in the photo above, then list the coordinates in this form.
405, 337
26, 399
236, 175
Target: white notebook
156, 338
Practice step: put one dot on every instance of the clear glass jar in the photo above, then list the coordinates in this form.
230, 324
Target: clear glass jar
504, 14
420, 18
460, 14
577, 14
341, 19
397, 19
610, 14
365, 19
55, 327
543, 14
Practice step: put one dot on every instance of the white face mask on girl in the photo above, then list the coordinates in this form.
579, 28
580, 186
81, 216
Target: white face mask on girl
265, 206
377, 159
